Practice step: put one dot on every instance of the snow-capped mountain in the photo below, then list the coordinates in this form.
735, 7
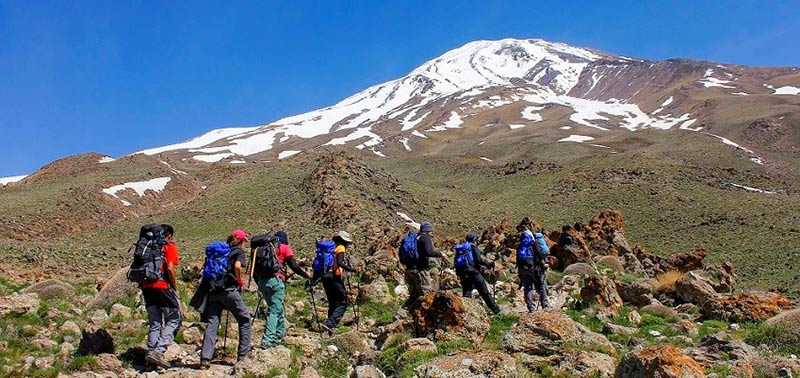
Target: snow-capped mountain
522, 80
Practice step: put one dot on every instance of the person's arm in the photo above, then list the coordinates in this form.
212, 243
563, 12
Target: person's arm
171, 260
476, 256
238, 269
427, 247
292, 263
340, 260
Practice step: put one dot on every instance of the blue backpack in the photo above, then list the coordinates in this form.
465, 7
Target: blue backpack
525, 249
543, 250
463, 258
325, 259
215, 269
408, 249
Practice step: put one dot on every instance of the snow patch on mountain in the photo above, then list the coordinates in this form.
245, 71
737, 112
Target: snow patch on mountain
785, 90
530, 113
106, 159
576, 138
710, 81
11, 179
750, 189
286, 154
140, 187
454, 122
753, 157
212, 158
201, 141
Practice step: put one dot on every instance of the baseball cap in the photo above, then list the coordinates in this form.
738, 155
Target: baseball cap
239, 234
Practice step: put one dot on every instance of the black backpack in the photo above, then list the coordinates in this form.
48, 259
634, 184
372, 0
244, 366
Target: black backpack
266, 263
147, 255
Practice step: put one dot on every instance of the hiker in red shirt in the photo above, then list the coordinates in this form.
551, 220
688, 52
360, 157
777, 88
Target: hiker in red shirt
163, 304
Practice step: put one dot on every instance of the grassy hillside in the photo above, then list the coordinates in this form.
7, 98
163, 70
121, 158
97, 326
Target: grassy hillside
674, 192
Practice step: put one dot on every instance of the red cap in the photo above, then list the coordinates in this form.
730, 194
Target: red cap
239, 234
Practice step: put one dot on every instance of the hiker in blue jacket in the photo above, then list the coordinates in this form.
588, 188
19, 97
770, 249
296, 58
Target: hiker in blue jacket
531, 268
467, 263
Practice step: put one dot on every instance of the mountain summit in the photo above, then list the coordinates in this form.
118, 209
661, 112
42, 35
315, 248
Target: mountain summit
522, 82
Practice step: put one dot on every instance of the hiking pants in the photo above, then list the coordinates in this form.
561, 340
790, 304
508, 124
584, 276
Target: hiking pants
232, 301
337, 300
474, 279
164, 318
531, 278
273, 290
419, 283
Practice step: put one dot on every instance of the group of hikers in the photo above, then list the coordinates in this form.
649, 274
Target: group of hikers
226, 270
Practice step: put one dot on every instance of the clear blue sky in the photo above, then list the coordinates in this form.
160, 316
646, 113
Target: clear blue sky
120, 76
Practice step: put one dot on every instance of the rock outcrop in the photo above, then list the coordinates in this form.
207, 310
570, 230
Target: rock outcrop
469, 364
549, 332
664, 361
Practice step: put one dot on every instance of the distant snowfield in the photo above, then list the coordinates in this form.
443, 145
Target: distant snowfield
787, 90
140, 187
454, 122
212, 158
750, 189
709, 81
753, 157
576, 138
484, 158
530, 113
286, 154
10, 179
106, 159
516, 126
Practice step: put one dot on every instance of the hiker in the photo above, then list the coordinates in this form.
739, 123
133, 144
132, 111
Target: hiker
414, 255
162, 303
333, 283
467, 261
532, 266
227, 297
274, 288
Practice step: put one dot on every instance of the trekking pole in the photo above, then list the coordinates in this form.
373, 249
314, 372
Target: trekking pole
314, 307
225, 333
350, 289
258, 306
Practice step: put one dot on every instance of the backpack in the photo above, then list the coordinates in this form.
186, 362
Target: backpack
525, 249
540, 247
325, 259
463, 258
147, 255
215, 269
266, 263
408, 249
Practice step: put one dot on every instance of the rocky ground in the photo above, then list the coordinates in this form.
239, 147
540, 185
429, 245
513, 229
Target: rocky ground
618, 311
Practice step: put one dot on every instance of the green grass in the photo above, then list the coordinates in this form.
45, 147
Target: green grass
499, 326
776, 337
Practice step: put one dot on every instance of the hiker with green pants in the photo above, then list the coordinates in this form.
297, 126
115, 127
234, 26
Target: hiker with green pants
274, 289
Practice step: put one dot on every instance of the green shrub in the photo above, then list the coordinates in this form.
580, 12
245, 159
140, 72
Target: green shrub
775, 336
82, 363
499, 326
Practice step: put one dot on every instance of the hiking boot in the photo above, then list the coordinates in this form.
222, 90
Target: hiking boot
325, 328
240, 357
205, 364
157, 359
496, 311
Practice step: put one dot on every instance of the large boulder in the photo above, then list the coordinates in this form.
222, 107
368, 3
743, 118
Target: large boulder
464, 364
717, 348
448, 316
639, 292
601, 290
19, 304
580, 269
350, 343
789, 322
116, 288
548, 332
606, 234
612, 262
571, 248
571, 363
661, 361
51, 289
695, 288
754, 306
95, 341
376, 292
259, 361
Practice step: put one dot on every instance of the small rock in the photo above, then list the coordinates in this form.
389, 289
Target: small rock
419, 344
785, 373
44, 362
734, 326
120, 311
259, 361
368, 371
98, 317
19, 304
654, 333
71, 327
309, 372
192, 336
109, 362
95, 341
634, 318
401, 292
